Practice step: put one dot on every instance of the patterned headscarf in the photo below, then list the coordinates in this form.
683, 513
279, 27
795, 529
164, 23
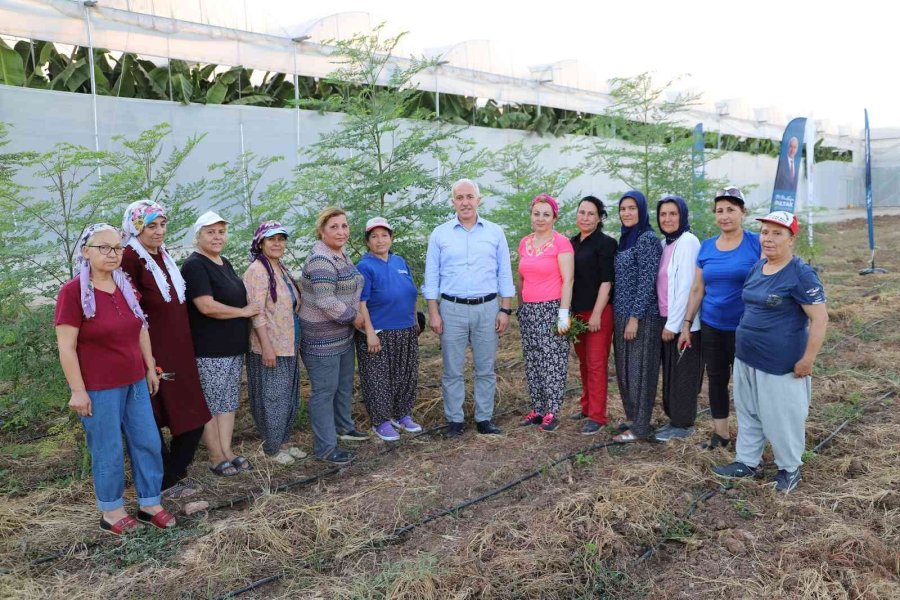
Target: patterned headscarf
137, 216
683, 222
268, 229
123, 282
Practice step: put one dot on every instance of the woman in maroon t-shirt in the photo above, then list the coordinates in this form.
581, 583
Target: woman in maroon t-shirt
104, 350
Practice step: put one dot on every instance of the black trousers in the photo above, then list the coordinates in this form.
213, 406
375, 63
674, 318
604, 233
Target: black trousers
178, 455
682, 376
718, 356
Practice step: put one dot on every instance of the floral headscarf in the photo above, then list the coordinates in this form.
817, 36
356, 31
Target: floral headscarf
137, 215
268, 229
123, 282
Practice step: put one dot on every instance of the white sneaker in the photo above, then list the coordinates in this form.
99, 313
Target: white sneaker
296, 452
283, 458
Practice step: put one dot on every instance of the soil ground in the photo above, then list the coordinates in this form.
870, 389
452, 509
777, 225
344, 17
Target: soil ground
614, 521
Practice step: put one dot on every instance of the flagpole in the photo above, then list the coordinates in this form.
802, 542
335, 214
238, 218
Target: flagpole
869, 216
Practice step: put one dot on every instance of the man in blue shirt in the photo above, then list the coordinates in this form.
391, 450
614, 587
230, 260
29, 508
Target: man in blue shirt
468, 267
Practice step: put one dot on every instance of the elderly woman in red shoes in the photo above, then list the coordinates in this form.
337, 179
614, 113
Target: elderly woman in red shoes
104, 350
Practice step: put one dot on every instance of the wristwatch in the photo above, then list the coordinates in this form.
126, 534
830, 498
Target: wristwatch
506, 311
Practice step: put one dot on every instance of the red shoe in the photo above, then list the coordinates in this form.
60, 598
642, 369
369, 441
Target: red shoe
123, 525
532, 418
163, 519
549, 423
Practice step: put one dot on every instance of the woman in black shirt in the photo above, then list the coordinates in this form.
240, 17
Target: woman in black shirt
592, 301
219, 315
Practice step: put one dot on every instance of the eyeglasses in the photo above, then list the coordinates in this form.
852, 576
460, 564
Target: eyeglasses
105, 249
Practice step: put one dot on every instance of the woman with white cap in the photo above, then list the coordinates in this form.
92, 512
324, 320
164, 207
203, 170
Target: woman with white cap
387, 349
179, 404
273, 371
220, 328
776, 343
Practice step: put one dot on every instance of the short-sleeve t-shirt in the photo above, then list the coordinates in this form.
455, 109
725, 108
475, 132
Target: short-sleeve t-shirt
388, 291
108, 346
724, 274
215, 337
773, 332
539, 268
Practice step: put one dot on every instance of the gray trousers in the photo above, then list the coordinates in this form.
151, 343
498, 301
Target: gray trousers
770, 407
469, 325
331, 379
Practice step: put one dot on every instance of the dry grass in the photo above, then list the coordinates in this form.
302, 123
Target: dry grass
576, 531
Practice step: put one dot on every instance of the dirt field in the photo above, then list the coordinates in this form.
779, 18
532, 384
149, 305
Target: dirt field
594, 520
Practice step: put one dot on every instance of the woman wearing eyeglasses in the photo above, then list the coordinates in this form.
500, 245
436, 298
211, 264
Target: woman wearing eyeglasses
179, 405
722, 266
104, 351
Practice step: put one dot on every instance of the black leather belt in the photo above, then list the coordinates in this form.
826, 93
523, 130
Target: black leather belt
470, 301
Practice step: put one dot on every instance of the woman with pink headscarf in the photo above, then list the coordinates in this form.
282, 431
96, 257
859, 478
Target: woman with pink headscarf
179, 405
547, 268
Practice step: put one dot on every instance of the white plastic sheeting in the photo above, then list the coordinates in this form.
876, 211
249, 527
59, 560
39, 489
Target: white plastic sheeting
241, 32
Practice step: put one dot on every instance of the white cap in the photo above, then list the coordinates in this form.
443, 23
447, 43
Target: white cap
378, 222
207, 218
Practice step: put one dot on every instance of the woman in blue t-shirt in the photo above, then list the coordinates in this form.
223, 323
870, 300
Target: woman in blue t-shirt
722, 266
388, 348
774, 355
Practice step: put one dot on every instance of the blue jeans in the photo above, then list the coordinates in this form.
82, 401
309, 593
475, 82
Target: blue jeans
114, 411
469, 325
331, 378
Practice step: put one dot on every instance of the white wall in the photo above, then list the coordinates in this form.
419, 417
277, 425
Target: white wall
40, 118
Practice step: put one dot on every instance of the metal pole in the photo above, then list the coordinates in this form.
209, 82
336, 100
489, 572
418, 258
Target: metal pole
297, 40
88, 5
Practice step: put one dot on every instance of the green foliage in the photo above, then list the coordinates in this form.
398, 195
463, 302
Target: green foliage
657, 159
377, 162
240, 199
522, 176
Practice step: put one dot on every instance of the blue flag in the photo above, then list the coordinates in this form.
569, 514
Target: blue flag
869, 185
697, 162
784, 196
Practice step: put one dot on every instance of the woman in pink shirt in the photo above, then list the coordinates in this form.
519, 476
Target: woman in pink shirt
547, 270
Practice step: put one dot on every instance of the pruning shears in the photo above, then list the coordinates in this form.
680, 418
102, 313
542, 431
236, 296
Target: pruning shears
165, 375
681, 350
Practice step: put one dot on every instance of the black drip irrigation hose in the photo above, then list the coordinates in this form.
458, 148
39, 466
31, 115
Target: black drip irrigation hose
232, 502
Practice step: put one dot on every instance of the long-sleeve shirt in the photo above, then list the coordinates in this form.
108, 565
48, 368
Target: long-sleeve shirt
276, 317
679, 275
468, 263
636, 269
331, 289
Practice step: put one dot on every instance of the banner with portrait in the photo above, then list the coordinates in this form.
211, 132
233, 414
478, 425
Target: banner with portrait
784, 196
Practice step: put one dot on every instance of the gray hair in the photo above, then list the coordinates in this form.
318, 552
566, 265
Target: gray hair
464, 181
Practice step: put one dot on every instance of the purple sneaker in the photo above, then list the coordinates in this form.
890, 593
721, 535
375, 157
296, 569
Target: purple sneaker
386, 432
407, 424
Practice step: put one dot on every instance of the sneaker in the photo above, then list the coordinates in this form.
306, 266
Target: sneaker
664, 428
407, 424
578, 416
296, 452
669, 433
532, 418
549, 424
283, 458
590, 427
785, 481
454, 429
386, 432
735, 470
716, 441
353, 436
337, 456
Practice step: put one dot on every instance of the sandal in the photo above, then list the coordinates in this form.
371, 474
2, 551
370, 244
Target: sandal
163, 519
623, 426
123, 525
224, 469
625, 437
183, 489
241, 463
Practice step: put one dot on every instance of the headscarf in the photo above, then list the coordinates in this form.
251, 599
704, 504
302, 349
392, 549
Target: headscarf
268, 229
549, 200
683, 223
123, 282
137, 216
629, 235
